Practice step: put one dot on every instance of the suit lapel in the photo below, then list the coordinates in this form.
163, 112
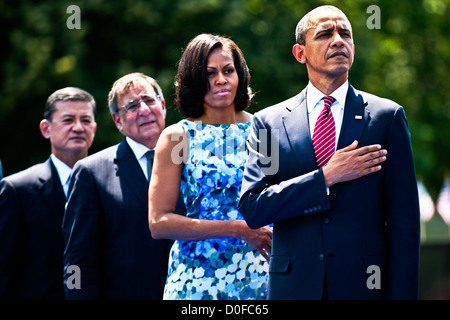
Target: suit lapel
129, 171
52, 191
296, 124
355, 119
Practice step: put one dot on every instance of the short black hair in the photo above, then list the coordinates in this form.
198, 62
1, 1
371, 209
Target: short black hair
305, 23
67, 94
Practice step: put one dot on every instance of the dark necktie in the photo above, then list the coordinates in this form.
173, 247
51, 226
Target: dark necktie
324, 136
150, 155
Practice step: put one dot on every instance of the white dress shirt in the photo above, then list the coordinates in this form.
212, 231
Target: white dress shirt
315, 105
139, 151
64, 172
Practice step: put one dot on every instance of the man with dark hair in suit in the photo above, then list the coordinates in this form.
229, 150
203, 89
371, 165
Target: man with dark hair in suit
105, 227
346, 222
32, 201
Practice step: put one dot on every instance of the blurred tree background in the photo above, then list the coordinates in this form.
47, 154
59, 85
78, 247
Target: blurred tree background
407, 60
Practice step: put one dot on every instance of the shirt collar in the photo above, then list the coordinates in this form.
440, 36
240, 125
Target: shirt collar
314, 95
63, 169
138, 149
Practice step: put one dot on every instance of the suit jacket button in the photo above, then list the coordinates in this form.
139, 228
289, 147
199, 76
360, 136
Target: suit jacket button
321, 257
326, 220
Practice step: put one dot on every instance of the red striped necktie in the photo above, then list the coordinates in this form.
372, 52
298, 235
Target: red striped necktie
324, 136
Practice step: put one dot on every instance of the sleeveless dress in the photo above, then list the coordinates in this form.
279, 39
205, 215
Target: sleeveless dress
223, 268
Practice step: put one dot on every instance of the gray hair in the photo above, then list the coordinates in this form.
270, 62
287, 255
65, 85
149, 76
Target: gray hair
67, 94
306, 22
122, 85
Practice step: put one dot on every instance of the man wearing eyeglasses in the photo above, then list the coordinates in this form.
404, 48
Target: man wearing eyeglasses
109, 252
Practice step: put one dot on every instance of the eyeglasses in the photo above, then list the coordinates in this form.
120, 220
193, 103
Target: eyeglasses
134, 105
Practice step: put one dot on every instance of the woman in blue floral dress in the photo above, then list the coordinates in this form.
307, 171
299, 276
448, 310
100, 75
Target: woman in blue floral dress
215, 255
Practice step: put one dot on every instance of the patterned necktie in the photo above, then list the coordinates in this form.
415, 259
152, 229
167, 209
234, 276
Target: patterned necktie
150, 155
324, 136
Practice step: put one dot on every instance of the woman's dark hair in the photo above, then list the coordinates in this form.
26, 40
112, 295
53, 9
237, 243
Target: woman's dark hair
192, 82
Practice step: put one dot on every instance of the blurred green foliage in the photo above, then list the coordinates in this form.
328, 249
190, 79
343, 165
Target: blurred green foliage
406, 60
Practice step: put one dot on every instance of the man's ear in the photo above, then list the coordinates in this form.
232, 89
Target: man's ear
45, 128
117, 121
94, 127
163, 104
298, 51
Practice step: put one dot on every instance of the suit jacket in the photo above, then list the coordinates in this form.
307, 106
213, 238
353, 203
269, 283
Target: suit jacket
364, 236
106, 230
31, 250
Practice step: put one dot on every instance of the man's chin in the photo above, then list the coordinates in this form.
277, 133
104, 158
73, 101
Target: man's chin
339, 71
78, 146
148, 136
149, 130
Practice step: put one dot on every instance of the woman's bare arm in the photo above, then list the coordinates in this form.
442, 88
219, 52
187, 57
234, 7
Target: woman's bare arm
164, 188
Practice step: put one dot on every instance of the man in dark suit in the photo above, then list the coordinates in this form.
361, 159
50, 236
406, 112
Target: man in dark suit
345, 227
108, 242
32, 201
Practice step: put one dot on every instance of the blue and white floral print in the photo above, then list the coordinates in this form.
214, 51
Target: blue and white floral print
223, 268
